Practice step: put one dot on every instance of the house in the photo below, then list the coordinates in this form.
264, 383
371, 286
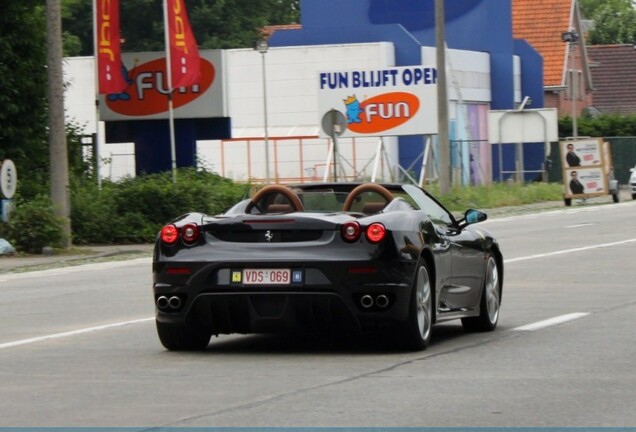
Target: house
614, 79
554, 29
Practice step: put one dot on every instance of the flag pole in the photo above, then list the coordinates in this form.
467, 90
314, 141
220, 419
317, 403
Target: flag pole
96, 146
173, 152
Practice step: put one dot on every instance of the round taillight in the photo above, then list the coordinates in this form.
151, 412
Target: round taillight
169, 234
376, 232
190, 233
351, 231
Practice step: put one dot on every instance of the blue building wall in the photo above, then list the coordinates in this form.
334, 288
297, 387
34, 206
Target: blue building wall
474, 25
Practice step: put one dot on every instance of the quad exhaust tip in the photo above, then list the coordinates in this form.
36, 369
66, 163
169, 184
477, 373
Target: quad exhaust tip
366, 301
166, 303
380, 301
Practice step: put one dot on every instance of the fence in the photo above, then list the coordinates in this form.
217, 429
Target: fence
299, 159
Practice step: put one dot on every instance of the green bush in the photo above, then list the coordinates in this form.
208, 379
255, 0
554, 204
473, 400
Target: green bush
133, 210
605, 125
34, 225
92, 217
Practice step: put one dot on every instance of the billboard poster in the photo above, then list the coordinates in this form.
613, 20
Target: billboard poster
585, 181
145, 96
581, 153
392, 101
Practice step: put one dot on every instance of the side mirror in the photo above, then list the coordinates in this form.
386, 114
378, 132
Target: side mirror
472, 216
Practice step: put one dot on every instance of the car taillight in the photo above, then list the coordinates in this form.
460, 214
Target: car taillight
169, 234
376, 232
351, 231
190, 233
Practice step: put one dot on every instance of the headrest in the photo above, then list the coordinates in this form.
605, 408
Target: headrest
373, 207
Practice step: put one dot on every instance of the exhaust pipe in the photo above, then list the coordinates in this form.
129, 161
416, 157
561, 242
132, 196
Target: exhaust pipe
162, 302
174, 302
366, 301
382, 301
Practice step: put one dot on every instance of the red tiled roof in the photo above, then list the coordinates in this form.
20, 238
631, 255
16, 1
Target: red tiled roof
541, 23
613, 69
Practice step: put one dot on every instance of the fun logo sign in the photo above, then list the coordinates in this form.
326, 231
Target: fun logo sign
382, 102
147, 90
380, 113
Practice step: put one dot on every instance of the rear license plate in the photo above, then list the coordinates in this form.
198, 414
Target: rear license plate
267, 276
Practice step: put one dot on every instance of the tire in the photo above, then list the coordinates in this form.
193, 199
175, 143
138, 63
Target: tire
418, 326
490, 302
178, 337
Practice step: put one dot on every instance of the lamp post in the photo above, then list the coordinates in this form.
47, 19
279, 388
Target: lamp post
262, 47
571, 38
442, 100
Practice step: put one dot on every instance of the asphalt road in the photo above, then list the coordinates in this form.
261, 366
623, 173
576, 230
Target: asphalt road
78, 348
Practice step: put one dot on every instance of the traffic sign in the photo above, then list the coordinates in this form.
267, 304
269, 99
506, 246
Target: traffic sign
8, 178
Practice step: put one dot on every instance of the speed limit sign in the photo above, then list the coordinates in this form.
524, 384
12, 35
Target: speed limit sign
8, 178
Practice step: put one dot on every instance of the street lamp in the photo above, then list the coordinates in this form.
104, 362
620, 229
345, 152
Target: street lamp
572, 38
262, 47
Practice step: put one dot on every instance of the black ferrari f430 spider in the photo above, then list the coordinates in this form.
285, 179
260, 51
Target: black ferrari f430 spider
326, 257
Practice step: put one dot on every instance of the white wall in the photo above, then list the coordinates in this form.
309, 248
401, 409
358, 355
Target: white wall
468, 74
117, 160
292, 110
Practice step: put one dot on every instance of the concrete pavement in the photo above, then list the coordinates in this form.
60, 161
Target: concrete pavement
18, 263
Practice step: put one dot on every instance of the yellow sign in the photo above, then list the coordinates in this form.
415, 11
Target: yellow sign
236, 276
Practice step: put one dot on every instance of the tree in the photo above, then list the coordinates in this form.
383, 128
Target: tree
614, 21
58, 152
216, 24
589, 7
23, 80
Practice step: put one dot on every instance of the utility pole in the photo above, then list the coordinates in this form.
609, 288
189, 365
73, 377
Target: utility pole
442, 100
58, 154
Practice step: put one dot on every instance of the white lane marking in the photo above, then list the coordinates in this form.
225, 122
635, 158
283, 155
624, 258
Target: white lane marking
71, 333
567, 251
551, 321
579, 225
555, 212
75, 269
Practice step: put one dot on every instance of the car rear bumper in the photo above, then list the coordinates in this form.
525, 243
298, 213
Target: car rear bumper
332, 295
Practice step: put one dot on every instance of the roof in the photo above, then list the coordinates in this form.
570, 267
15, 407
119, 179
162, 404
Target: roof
269, 30
541, 23
614, 78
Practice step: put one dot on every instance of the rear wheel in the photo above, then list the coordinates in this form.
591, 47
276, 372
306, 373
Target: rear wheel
417, 334
490, 301
179, 337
